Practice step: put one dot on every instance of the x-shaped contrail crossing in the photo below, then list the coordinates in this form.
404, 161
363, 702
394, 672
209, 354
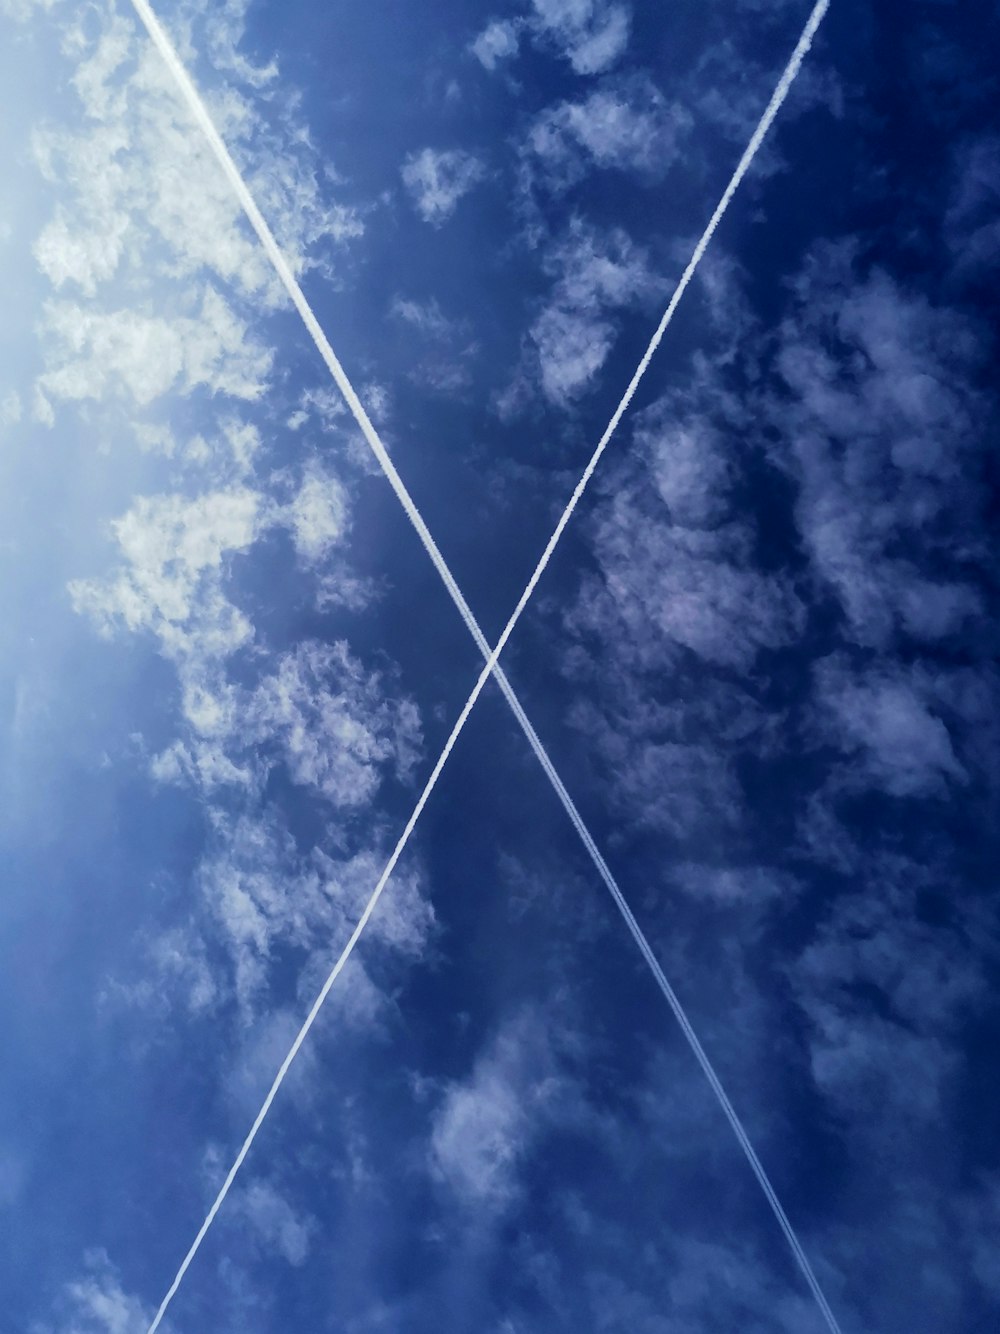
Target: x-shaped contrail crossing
491, 666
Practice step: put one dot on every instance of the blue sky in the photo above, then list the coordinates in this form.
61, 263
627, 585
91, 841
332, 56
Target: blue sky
762, 658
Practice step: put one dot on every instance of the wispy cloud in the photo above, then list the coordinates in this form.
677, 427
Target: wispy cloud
880, 448
445, 346
438, 178
885, 722
483, 1127
626, 125
276, 1225
97, 1303
570, 339
497, 42
591, 34
158, 217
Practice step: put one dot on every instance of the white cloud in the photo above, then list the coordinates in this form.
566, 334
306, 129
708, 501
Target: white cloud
571, 337
174, 974
485, 1125
677, 602
262, 892
753, 886
331, 722
437, 180
278, 1226
698, 588
591, 34
682, 788
728, 86
255, 1051
689, 466
709, 1275
184, 195
446, 346
315, 712
22, 10
890, 1060
572, 346
676, 559
141, 180
880, 424
341, 588
178, 955
318, 515
145, 225
627, 126
95, 353
175, 549
159, 287
885, 718
98, 1304
497, 42
972, 223
405, 918
479, 1138
67, 253
595, 269
426, 317
224, 30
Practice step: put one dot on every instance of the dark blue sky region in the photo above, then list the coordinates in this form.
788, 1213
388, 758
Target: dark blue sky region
762, 658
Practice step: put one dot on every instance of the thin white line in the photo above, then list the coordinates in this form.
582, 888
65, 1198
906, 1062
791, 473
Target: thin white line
491, 656
317, 1004
772, 109
290, 283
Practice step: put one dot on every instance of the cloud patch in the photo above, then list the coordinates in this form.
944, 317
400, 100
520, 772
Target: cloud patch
438, 179
486, 1125
885, 719
596, 274
591, 34
627, 126
97, 1303
881, 427
499, 41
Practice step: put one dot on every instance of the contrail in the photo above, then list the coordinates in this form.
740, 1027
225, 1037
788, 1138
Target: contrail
491, 655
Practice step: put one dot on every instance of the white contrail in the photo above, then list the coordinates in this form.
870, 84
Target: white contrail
772, 109
491, 656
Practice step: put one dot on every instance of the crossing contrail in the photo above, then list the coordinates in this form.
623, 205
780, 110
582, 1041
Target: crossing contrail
491, 655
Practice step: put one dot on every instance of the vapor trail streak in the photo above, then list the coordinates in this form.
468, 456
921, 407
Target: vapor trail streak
491, 655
